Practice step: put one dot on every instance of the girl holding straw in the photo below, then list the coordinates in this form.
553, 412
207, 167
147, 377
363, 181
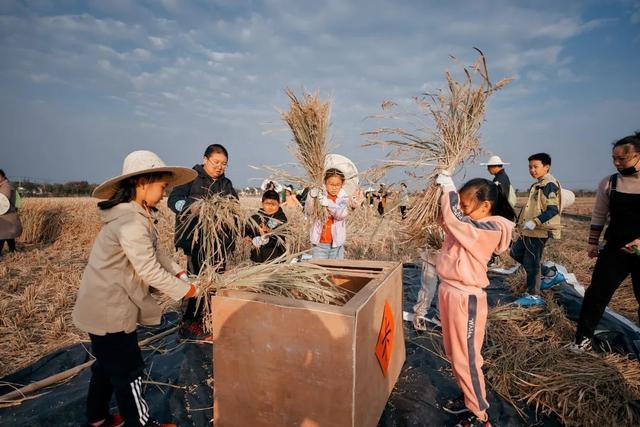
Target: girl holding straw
329, 234
114, 293
478, 222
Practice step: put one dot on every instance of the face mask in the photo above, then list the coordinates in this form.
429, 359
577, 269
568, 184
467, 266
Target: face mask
630, 170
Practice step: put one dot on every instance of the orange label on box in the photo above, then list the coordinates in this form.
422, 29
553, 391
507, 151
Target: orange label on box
384, 345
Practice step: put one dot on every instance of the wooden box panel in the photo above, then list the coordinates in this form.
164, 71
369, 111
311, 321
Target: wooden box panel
284, 362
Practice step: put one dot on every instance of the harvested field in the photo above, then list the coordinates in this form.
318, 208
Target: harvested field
39, 283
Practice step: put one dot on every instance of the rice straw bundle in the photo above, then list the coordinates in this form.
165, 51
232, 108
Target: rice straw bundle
457, 113
527, 360
304, 281
308, 119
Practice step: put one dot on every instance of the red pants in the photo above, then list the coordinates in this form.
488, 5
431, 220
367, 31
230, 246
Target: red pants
464, 318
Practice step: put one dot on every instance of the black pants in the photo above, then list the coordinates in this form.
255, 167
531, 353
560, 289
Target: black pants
403, 211
380, 208
10, 242
118, 368
612, 267
528, 252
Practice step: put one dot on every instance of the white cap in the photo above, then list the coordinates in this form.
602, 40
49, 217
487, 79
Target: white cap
494, 161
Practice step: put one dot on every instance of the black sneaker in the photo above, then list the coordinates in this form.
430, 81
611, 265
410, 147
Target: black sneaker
470, 420
455, 406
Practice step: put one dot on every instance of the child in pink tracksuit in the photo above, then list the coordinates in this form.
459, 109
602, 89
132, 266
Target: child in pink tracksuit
478, 222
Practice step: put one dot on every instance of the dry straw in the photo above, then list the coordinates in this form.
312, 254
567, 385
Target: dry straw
308, 118
453, 138
303, 281
528, 360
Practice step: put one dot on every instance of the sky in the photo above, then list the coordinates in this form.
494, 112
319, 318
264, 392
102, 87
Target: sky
83, 83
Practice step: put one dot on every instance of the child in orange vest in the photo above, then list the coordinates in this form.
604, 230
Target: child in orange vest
478, 222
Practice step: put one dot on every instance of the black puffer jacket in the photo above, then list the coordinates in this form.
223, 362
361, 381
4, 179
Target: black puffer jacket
275, 247
184, 195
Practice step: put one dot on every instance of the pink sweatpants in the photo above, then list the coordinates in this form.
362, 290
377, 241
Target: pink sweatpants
464, 318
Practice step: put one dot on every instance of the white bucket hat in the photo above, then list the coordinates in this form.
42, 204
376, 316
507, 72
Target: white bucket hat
494, 161
346, 166
139, 163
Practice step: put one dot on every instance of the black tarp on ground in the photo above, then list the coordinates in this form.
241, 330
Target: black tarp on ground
424, 381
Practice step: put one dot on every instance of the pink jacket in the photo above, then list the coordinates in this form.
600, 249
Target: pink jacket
469, 244
339, 211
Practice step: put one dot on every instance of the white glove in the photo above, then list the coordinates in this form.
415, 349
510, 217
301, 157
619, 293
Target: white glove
324, 201
259, 241
529, 225
445, 180
183, 276
314, 192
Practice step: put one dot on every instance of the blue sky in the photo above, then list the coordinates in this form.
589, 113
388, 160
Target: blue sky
84, 83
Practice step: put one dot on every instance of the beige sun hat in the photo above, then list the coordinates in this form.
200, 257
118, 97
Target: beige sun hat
142, 162
494, 161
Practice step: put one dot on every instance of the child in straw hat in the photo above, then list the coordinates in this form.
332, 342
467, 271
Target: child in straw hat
478, 222
114, 292
328, 238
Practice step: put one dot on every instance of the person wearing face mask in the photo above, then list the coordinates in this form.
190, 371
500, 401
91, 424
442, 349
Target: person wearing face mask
210, 180
618, 198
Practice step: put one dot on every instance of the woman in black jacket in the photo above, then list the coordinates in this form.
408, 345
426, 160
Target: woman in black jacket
210, 180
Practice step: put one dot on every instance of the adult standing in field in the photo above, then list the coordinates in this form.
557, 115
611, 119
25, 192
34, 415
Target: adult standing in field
495, 166
211, 179
618, 197
10, 225
403, 195
382, 199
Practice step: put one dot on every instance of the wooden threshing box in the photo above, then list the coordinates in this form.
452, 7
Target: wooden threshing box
285, 362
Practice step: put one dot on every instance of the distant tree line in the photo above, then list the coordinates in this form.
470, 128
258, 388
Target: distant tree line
67, 189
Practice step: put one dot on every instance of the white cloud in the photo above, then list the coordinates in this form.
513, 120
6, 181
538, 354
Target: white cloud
45, 78
205, 70
158, 42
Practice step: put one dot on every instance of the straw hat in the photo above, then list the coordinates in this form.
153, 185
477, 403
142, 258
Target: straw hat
494, 161
139, 163
346, 166
4, 204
